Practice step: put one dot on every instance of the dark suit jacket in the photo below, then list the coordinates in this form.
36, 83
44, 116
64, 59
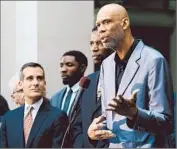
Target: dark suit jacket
47, 130
57, 99
90, 108
3, 105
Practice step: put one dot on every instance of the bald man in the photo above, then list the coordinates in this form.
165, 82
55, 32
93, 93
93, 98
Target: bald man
137, 92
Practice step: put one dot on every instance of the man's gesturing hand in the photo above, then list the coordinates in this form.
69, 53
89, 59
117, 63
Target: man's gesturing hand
122, 106
95, 132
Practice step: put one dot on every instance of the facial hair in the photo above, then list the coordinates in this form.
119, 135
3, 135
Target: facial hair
115, 42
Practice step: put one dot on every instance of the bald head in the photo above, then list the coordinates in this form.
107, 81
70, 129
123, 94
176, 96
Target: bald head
115, 10
113, 26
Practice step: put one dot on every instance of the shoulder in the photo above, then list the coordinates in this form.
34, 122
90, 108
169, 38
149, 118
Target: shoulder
57, 114
93, 75
13, 114
54, 110
152, 53
58, 93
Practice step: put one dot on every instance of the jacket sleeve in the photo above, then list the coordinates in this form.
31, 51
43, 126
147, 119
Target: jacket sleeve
159, 116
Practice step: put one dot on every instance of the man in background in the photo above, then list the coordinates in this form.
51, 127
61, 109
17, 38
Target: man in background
90, 104
36, 124
73, 65
17, 94
72, 68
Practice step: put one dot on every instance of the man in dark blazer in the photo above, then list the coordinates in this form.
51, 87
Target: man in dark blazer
72, 68
90, 104
37, 124
3, 109
3, 105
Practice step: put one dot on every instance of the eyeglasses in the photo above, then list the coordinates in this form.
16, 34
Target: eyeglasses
18, 91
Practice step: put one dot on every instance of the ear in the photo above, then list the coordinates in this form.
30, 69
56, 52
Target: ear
125, 23
82, 68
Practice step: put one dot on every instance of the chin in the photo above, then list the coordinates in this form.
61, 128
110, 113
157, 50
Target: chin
36, 95
65, 82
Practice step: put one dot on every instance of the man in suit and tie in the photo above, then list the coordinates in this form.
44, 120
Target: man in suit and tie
37, 124
90, 104
137, 92
72, 68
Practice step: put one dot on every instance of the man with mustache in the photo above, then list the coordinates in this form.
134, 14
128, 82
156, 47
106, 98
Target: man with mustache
99, 52
90, 104
36, 124
72, 68
73, 65
137, 91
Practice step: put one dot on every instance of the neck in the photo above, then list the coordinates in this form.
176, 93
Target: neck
31, 101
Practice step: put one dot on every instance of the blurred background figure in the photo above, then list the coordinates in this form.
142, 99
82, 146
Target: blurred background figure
16, 90
3, 106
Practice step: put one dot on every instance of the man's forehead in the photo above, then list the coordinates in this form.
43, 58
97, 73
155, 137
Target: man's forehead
95, 36
67, 58
32, 70
102, 17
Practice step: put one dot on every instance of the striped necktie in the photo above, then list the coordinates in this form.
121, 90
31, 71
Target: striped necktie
28, 122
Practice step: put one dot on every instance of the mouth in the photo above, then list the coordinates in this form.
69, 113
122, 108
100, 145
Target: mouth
96, 57
64, 76
36, 90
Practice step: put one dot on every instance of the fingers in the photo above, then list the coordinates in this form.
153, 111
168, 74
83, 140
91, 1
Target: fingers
115, 103
97, 126
134, 95
103, 134
99, 119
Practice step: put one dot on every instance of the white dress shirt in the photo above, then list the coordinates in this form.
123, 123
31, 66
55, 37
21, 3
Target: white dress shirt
74, 89
35, 106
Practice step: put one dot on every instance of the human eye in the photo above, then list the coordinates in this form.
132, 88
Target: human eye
106, 21
61, 65
29, 78
91, 43
98, 25
40, 78
69, 64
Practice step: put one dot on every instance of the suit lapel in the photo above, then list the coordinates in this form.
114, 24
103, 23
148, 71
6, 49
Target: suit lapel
60, 98
40, 117
19, 124
96, 103
131, 69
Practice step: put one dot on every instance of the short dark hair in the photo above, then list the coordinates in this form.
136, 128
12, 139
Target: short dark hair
30, 64
94, 29
79, 57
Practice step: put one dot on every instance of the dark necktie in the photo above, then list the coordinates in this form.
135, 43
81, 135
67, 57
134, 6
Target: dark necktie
67, 101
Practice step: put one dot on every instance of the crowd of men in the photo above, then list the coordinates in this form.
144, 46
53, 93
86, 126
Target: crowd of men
127, 103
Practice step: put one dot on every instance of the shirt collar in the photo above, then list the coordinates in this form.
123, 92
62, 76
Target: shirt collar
74, 88
127, 56
35, 105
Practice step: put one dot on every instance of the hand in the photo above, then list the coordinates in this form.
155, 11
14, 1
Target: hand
95, 132
122, 106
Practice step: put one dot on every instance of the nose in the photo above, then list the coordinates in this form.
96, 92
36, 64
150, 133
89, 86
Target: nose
95, 48
63, 69
35, 81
